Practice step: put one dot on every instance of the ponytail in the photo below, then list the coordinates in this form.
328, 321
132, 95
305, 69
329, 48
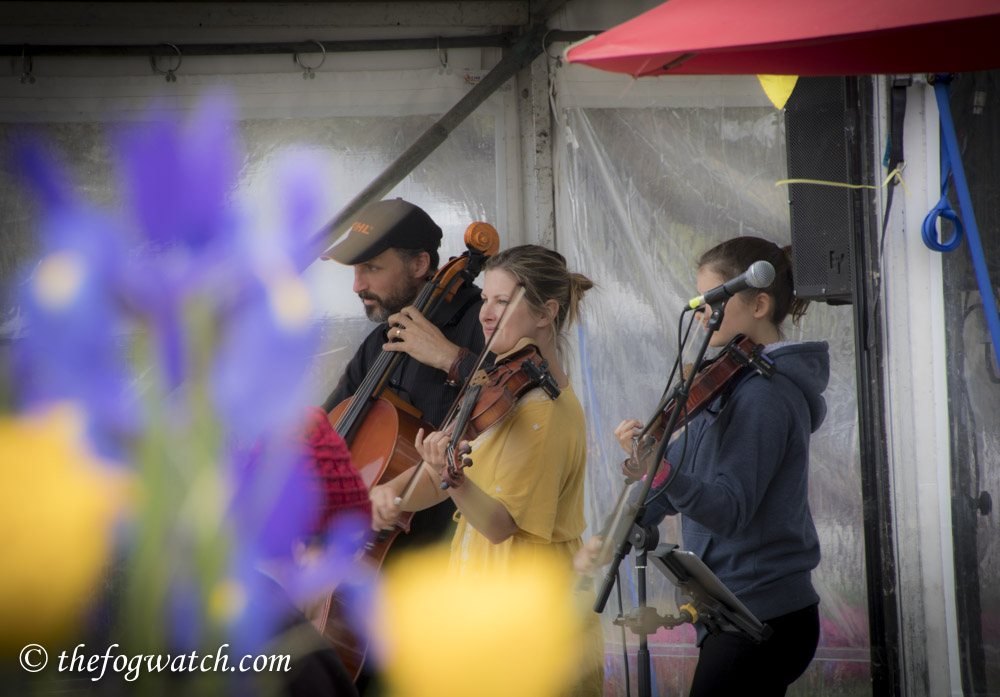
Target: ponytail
544, 275
734, 256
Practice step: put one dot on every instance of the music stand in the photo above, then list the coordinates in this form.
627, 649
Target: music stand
716, 607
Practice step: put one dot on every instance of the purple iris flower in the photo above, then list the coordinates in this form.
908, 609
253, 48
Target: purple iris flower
276, 508
177, 178
273, 505
228, 323
336, 564
259, 378
71, 345
176, 184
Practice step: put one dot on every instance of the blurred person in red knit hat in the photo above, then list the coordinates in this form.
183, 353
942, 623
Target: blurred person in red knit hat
334, 477
339, 495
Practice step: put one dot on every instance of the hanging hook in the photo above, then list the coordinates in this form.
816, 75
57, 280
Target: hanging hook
169, 72
26, 67
308, 73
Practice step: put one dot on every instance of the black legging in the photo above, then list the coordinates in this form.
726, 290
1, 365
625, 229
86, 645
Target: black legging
731, 664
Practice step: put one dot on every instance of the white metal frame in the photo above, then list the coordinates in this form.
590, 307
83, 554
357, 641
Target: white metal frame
919, 443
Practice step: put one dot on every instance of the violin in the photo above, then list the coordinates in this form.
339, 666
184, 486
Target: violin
711, 380
496, 402
489, 397
713, 377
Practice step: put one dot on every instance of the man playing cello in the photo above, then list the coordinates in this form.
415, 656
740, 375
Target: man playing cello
393, 247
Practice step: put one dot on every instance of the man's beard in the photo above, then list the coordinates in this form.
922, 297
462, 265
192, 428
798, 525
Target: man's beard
392, 302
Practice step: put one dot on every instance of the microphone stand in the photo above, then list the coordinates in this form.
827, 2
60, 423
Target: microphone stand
645, 538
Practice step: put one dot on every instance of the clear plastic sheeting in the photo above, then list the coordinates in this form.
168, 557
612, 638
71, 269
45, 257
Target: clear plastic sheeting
456, 185
644, 191
348, 123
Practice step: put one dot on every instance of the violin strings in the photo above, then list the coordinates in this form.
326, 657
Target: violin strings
411, 483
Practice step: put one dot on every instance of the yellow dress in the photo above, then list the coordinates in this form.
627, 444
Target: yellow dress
534, 462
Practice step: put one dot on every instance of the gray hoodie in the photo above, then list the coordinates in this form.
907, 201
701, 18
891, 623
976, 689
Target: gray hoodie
743, 484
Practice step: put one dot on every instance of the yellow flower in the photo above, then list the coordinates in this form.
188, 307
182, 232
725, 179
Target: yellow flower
57, 505
514, 633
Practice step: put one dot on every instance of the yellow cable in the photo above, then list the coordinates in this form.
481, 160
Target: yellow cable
894, 173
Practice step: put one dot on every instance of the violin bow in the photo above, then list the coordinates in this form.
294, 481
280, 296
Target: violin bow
685, 343
411, 484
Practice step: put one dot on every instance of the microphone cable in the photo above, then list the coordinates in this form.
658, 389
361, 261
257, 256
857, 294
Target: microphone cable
682, 338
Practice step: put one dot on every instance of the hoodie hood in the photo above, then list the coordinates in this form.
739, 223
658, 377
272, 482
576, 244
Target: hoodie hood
807, 365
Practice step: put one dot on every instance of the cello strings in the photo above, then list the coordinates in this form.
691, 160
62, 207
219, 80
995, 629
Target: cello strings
378, 374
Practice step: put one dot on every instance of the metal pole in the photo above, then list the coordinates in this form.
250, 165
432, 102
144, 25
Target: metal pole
876, 477
527, 48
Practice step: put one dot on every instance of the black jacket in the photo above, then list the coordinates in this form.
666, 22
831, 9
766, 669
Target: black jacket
423, 387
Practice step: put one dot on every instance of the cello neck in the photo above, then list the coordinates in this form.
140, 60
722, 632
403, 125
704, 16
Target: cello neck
377, 378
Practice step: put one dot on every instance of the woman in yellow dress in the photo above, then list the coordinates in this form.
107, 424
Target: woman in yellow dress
523, 498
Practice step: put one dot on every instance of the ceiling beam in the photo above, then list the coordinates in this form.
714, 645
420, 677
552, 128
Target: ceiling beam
216, 22
522, 53
172, 50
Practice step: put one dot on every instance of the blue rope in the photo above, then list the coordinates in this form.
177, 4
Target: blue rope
944, 210
950, 146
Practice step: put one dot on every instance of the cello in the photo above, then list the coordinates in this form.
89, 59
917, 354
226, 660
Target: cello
380, 428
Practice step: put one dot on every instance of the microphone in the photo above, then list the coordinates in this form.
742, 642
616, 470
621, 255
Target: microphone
759, 275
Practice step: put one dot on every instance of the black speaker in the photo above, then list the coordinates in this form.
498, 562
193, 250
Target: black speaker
817, 130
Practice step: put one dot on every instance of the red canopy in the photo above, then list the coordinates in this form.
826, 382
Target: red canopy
800, 37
